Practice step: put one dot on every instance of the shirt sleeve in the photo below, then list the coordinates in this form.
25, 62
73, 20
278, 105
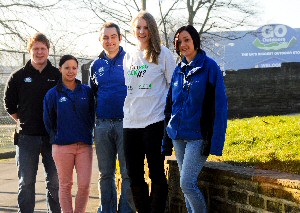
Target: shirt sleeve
221, 108
11, 95
168, 113
93, 79
170, 64
125, 63
92, 108
49, 111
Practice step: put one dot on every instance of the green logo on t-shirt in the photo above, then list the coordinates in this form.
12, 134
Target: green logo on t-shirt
145, 86
138, 71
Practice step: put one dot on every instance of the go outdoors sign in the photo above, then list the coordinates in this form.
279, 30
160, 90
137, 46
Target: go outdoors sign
268, 46
275, 37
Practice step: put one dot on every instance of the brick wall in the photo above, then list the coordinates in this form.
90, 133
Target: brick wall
234, 189
263, 91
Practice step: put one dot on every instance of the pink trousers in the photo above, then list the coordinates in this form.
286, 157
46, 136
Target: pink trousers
67, 157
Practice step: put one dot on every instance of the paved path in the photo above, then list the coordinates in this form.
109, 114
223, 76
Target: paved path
9, 187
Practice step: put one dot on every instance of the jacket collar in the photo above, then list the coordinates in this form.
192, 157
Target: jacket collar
103, 54
195, 64
60, 86
198, 60
28, 66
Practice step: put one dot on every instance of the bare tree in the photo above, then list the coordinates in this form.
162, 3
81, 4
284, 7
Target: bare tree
19, 19
70, 24
220, 15
118, 11
15, 19
16, 24
208, 16
167, 22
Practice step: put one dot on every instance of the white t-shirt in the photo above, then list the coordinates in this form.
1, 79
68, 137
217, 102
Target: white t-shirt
147, 87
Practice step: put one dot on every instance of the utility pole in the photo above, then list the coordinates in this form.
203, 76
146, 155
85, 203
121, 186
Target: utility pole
144, 4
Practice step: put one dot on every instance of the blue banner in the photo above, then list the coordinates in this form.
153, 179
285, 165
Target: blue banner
268, 46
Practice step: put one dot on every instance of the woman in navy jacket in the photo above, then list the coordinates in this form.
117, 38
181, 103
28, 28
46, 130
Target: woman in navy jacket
195, 114
69, 120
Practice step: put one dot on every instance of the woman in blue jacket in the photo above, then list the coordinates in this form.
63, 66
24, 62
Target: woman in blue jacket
69, 120
195, 114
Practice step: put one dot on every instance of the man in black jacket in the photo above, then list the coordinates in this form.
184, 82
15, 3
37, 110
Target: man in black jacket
24, 94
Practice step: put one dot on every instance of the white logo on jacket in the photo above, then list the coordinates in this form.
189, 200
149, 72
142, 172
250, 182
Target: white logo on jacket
28, 80
62, 99
101, 71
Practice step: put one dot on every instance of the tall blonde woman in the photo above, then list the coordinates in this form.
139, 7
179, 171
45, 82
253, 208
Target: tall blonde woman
148, 71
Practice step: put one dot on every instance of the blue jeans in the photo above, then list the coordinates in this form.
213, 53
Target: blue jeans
27, 156
190, 163
109, 145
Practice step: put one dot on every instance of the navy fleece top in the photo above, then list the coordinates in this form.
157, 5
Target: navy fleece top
197, 103
69, 115
108, 85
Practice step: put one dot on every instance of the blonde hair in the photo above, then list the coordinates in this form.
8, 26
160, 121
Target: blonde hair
154, 47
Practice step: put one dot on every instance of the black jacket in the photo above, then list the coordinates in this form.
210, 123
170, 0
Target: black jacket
24, 94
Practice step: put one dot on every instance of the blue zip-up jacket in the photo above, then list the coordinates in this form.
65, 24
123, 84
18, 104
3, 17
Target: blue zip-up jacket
197, 104
108, 84
69, 115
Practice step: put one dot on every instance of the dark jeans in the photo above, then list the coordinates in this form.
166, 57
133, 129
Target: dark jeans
28, 151
137, 144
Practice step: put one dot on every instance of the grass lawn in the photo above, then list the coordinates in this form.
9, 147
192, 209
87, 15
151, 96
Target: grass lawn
271, 142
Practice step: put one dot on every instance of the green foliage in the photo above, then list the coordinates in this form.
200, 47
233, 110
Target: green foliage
271, 142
